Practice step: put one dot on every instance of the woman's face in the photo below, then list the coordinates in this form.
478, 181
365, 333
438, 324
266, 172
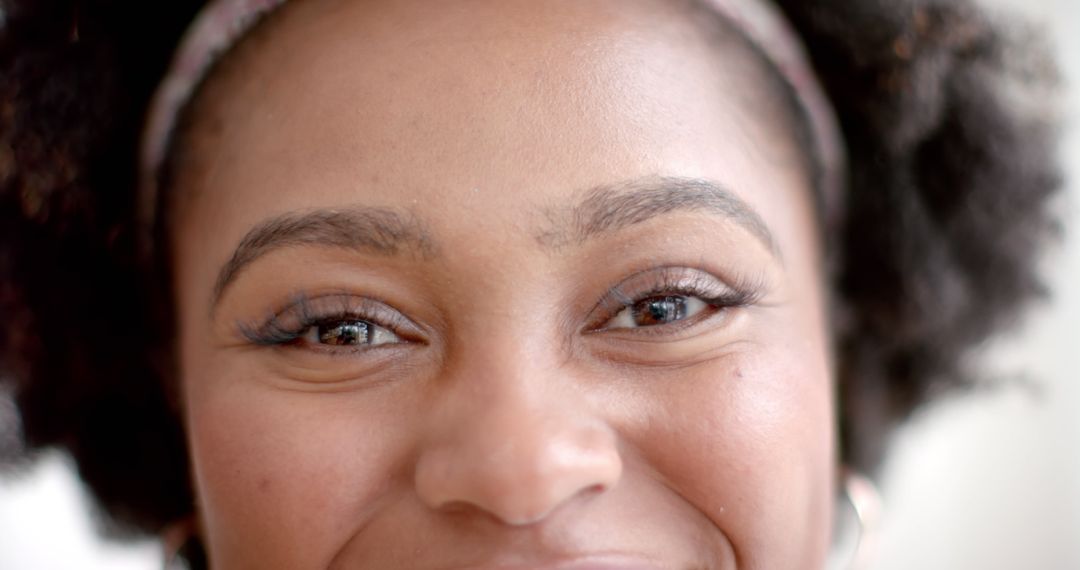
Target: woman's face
507, 284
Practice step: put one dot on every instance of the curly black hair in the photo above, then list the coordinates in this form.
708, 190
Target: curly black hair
950, 180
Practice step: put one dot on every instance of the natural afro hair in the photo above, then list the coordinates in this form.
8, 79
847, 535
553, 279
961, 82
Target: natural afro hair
953, 162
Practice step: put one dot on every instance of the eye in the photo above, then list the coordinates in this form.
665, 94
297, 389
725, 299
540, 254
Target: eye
350, 332
332, 323
670, 299
656, 311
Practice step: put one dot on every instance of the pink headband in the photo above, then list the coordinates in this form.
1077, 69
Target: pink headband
222, 23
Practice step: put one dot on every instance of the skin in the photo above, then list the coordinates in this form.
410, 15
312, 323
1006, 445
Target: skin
511, 419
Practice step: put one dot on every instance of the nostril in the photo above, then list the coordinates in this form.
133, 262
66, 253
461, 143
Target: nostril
597, 489
515, 464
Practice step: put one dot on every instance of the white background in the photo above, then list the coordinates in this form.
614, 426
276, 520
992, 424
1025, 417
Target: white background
993, 482
989, 482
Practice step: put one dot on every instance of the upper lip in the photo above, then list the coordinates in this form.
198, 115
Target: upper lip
606, 562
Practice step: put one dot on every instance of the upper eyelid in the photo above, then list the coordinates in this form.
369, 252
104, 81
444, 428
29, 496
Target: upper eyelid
346, 302
695, 281
659, 280
662, 279
685, 279
305, 310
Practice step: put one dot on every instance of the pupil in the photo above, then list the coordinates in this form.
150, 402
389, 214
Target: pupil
659, 311
355, 332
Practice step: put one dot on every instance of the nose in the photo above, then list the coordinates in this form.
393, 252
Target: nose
509, 443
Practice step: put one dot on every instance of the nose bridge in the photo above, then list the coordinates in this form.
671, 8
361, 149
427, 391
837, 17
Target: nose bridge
510, 436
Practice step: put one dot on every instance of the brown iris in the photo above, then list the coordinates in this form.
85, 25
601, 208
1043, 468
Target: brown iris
659, 311
344, 333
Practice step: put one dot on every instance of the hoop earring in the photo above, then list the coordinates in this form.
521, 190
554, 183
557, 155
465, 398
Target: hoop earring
862, 499
181, 547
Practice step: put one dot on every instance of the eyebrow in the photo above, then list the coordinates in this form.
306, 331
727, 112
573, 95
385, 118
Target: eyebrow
608, 208
377, 231
603, 209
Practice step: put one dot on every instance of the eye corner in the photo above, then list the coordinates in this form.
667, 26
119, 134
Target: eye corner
267, 334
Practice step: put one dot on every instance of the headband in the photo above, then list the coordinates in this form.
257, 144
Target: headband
223, 23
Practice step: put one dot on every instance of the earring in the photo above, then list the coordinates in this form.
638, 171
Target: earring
181, 547
857, 523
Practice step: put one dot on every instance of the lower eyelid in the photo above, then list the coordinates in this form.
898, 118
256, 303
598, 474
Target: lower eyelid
344, 351
709, 311
676, 331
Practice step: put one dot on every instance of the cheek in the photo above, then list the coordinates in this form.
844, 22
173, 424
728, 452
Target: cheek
286, 476
748, 441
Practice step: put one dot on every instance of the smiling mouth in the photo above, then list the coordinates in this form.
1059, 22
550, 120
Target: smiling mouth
583, 563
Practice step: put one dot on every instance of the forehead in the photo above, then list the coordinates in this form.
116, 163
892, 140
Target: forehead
478, 110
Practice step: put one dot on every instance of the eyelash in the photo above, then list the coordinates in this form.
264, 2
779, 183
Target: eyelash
306, 312
288, 326
677, 282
